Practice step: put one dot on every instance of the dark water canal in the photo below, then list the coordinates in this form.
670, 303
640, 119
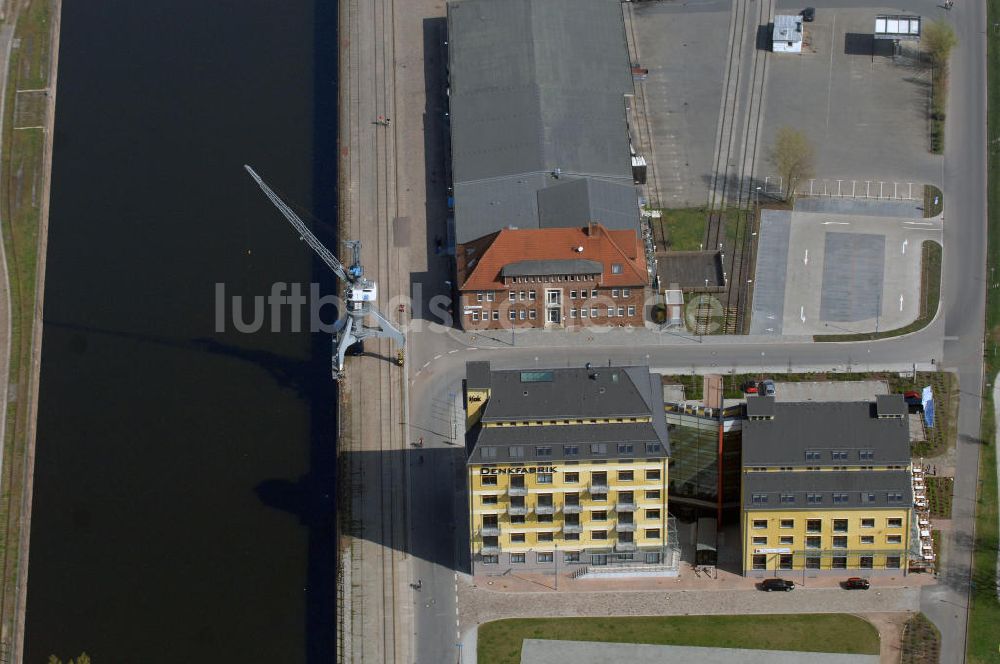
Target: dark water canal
183, 473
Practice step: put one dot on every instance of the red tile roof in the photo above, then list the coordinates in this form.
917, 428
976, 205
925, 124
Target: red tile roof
480, 262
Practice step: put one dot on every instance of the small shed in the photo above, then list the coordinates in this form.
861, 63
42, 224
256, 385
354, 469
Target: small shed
786, 37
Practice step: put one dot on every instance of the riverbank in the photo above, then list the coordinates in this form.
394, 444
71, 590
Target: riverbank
28, 121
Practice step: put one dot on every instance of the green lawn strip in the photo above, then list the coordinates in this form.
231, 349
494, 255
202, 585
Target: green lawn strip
20, 203
921, 641
984, 611
499, 642
939, 492
931, 194
930, 296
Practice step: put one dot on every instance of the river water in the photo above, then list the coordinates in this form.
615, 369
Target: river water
182, 503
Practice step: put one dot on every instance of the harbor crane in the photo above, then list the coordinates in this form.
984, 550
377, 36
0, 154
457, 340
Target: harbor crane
361, 293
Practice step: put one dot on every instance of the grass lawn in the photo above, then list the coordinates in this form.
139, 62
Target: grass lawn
939, 490
931, 194
684, 228
984, 614
20, 208
500, 641
921, 641
930, 296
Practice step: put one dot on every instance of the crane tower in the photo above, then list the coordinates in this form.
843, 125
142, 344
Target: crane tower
361, 293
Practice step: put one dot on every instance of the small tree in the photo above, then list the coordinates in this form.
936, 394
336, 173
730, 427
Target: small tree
794, 158
82, 659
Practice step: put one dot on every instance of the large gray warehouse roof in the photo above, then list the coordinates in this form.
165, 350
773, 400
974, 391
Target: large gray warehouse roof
536, 87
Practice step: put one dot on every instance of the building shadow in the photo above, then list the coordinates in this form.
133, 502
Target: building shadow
437, 282
764, 37
857, 43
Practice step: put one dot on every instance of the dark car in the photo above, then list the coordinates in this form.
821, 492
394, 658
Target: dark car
766, 388
809, 14
767, 585
856, 583
913, 402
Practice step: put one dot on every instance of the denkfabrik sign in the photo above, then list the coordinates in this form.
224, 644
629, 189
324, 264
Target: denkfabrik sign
517, 470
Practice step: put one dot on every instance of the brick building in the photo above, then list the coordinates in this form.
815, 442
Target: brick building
552, 277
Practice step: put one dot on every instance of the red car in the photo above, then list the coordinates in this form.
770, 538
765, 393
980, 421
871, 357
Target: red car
856, 583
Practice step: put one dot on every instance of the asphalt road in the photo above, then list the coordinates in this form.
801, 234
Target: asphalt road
954, 341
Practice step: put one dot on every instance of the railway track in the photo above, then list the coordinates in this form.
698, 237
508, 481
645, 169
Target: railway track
373, 385
732, 189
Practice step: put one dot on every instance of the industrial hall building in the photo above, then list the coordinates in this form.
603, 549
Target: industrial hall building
542, 164
566, 467
826, 487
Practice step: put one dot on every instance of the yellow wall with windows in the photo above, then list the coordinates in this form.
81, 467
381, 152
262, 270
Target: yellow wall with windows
649, 497
773, 531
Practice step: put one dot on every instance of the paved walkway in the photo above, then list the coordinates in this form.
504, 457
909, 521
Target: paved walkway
479, 605
537, 651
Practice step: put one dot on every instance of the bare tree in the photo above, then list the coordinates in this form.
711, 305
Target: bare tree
794, 158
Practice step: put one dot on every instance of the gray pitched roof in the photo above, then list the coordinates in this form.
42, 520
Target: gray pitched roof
575, 393
529, 268
856, 484
823, 427
591, 441
537, 86
571, 203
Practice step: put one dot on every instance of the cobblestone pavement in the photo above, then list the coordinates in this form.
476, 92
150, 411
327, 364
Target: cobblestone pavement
479, 604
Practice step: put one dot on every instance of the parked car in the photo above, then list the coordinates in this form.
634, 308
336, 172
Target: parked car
766, 387
913, 401
749, 387
856, 583
767, 585
809, 14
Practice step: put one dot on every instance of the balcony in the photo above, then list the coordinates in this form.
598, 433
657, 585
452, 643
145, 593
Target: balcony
517, 491
625, 506
625, 546
572, 528
625, 526
546, 509
598, 486
489, 550
518, 510
572, 509
490, 531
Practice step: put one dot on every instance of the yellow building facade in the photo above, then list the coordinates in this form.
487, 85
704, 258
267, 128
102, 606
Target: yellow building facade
826, 488
825, 540
573, 472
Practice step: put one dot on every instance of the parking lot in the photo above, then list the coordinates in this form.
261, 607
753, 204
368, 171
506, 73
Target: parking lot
684, 48
826, 272
866, 115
